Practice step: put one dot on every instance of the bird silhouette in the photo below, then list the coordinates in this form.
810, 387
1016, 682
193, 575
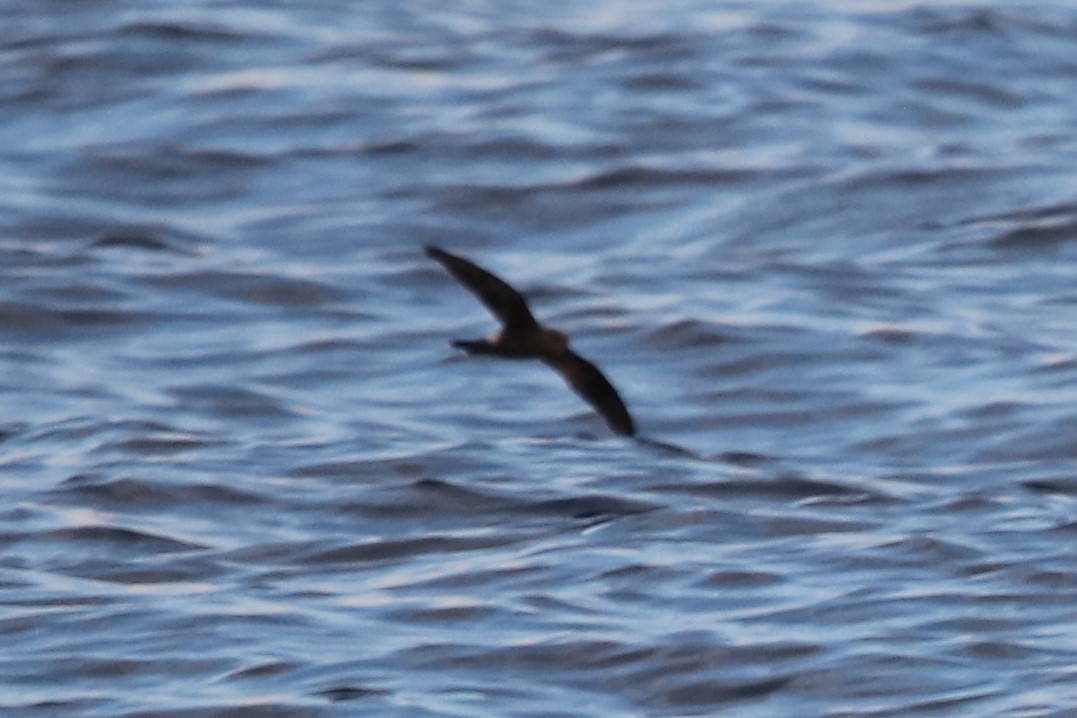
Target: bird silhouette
521, 337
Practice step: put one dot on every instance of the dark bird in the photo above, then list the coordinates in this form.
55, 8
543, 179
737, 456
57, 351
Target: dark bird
522, 337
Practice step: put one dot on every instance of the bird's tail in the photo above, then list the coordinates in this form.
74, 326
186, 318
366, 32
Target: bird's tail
474, 346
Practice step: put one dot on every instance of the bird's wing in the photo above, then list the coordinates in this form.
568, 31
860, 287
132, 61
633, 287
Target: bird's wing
587, 381
505, 302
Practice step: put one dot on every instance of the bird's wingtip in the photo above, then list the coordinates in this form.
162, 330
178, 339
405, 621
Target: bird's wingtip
626, 429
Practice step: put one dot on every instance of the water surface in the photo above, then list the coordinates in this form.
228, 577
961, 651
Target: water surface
826, 254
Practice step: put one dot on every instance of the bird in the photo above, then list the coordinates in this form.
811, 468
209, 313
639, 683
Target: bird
522, 337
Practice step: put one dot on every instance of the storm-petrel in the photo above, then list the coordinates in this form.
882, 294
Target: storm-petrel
522, 337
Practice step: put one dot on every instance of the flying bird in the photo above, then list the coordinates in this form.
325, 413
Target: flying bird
521, 337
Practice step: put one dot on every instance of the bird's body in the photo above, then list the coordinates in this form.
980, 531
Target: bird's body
522, 337
537, 342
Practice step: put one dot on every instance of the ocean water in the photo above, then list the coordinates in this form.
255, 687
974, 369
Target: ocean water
827, 251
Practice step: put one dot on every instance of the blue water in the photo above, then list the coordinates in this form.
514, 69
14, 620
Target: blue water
827, 251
